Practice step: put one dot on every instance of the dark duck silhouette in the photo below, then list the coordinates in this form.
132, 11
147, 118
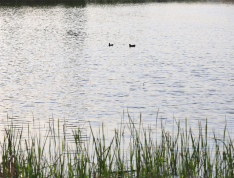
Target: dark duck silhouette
130, 46
111, 44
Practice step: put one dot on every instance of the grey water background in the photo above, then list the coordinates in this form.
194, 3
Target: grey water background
55, 62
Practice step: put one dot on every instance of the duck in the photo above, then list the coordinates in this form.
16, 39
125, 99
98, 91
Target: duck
130, 46
111, 44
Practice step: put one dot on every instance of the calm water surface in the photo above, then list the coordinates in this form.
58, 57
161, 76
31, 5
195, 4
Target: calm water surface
55, 62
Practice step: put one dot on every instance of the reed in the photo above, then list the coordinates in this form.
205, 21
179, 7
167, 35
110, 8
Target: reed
134, 151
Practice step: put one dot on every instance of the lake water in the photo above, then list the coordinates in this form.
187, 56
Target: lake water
55, 62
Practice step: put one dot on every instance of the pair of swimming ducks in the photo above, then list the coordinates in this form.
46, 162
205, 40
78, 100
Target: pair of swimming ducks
130, 46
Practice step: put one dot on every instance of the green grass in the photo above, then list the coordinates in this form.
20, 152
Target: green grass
140, 153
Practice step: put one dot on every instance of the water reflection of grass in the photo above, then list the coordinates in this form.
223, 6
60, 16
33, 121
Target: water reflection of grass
181, 154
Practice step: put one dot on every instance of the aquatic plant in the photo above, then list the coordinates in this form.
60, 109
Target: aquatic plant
134, 151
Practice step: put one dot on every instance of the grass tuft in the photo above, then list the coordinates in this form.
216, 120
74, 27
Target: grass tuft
138, 154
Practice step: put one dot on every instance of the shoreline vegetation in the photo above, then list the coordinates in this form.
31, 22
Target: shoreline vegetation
85, 2
134, 151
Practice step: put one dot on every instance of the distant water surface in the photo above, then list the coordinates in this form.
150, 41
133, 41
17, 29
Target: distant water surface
55, 62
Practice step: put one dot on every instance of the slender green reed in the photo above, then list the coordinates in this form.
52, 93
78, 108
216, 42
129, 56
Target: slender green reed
133, 151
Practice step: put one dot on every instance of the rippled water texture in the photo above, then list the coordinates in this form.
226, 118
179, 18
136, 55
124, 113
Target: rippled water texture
55, 61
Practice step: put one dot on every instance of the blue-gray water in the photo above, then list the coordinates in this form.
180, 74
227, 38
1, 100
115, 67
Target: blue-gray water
55, 62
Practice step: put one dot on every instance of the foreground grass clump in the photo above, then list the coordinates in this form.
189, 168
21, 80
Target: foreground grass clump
132, 152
